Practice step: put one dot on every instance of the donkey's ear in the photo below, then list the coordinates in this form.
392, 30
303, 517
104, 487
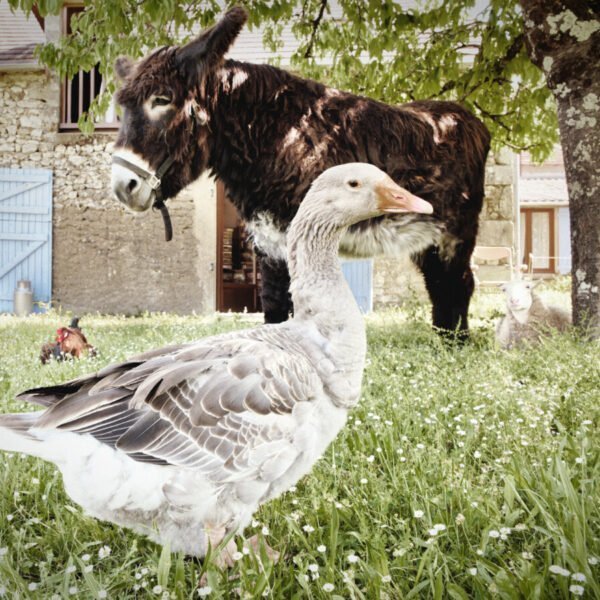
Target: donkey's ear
123, 67
212, 44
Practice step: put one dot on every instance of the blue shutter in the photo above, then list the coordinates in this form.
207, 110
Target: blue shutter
25, 233
359, 275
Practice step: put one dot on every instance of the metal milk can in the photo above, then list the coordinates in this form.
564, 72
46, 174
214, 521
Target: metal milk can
23, 298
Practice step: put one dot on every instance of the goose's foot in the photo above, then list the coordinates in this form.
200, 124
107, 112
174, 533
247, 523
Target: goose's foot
222, 558
256, 544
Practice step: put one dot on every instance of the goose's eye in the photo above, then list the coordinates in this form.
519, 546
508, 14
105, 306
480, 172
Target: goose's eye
160, 101
353, 183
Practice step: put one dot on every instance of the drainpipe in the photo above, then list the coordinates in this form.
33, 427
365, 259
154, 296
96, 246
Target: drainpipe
517, 205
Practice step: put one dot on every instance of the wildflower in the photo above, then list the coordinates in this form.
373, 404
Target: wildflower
32, 586
328, 587
292, 489
313, 567
586, 422
418, 514
576, 590
104, 552
421, 446
102, 594
432, 532
9, 517
308, 528
592, 560
439, 527
363, 481
157, 589
237, 556
494, 534
370, 459
558, 570
204, 591
477, 454
578, 577
71, 569
520, 527
255, 523
479, 552
399, 552
386, 579
85, 557
73, 590
265, 530
527, 555
460, 519
474, 504
321, 548
352, 558
472, 571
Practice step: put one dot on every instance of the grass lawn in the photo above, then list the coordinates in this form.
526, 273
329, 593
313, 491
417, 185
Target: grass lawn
465, 472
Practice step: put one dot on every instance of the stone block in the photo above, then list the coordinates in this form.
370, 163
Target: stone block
29, 147
77, 160
495, 233
31, 121
499, 175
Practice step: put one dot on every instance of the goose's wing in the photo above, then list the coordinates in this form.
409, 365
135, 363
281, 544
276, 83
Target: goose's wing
224, 406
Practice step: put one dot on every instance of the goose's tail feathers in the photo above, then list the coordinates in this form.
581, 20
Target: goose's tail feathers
15, 436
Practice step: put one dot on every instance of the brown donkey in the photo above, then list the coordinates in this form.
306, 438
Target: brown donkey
267, 134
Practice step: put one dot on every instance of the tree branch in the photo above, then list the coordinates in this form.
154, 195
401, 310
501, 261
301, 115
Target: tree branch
315, 25
495, 69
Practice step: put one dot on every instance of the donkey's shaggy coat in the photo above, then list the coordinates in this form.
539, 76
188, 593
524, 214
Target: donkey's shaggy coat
268, 134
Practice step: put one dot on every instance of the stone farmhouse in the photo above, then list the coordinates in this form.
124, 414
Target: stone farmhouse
94, 256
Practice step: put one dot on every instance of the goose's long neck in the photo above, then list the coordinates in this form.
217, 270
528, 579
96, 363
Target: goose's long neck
321, 294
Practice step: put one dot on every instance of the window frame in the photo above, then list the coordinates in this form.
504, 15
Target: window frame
68, 123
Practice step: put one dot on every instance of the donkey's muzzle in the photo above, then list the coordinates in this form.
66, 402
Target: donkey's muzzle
130, 189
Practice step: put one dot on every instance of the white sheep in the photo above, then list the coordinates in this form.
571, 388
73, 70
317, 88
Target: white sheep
527, 316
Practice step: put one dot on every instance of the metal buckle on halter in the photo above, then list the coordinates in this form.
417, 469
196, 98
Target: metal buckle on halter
153, 181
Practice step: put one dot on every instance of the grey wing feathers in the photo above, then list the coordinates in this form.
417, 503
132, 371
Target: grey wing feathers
187, 405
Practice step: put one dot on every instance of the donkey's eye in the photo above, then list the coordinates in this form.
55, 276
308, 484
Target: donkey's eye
353, 183
160, 101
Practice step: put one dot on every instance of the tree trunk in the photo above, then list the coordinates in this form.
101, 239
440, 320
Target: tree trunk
563, 39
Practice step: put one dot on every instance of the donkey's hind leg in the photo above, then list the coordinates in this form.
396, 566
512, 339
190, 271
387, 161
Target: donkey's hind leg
275, 295
450, 285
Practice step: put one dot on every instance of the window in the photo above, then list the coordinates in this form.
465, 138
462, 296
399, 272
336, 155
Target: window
538, 239
78, 93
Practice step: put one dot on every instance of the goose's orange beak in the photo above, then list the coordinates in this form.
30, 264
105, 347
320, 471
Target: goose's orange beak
395, 199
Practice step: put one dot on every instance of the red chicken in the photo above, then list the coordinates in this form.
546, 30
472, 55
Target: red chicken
70, 342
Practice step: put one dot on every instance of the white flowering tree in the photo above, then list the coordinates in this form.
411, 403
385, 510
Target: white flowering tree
512, 62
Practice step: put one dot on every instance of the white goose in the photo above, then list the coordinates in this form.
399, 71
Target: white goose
184, 443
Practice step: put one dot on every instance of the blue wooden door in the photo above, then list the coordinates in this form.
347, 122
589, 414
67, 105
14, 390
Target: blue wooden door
359, 275
25, 234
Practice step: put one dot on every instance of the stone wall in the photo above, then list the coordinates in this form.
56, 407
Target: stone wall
397, 280
104, 258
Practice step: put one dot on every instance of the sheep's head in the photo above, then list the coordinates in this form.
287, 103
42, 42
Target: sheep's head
519, 295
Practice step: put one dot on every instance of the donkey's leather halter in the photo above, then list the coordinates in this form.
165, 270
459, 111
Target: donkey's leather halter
199, 119
154, 181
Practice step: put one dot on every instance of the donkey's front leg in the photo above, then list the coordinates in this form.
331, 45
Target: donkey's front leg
275, 293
